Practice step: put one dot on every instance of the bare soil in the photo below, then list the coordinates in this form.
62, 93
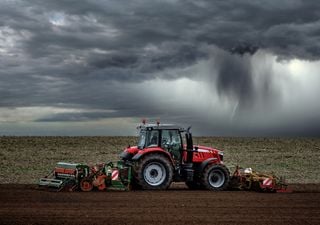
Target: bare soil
25, 204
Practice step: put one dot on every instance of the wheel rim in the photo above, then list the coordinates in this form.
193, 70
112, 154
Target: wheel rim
154, 174
86, 185
216, 178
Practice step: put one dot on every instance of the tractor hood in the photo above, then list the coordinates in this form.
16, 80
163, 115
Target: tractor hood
207, 149
202, 153
201, 148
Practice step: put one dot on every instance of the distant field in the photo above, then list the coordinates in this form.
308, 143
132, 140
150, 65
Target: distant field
25, 159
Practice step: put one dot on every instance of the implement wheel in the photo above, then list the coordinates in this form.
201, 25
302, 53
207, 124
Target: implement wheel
153, 172
86, 184
216, 177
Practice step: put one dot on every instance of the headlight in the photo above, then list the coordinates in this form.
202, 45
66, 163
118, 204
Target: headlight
221, 156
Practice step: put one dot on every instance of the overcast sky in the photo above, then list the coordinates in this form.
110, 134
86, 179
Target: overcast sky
96, 67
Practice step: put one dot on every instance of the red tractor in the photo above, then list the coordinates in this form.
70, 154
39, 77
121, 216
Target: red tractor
165, 154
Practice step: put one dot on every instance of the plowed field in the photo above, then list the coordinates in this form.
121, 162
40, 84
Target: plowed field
24, 204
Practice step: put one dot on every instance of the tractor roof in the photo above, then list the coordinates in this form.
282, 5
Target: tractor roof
161, 127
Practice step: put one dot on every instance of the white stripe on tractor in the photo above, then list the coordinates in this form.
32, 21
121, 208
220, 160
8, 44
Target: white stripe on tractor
203, 150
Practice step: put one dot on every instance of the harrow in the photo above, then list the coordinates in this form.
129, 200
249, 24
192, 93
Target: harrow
248, 179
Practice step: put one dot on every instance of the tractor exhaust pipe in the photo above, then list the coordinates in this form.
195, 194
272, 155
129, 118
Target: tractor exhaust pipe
188, 166
189, 147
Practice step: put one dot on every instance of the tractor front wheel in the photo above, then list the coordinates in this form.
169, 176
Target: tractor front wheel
216, 177
153, 172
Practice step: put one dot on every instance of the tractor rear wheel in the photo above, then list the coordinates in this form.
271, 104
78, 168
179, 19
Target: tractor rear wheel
153, 172
216, 177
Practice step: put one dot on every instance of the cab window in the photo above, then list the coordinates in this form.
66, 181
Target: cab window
153, 138
171, 141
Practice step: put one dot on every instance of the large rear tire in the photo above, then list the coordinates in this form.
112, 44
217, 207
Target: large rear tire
216, 177
153, 172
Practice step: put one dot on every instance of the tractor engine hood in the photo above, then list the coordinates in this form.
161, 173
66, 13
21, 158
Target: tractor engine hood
215, 153
203, 152
201, 148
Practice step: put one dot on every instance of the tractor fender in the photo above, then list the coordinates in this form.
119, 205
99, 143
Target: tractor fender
136, 157
143, 153
205, 163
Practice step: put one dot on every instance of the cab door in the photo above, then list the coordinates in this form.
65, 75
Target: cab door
171, 142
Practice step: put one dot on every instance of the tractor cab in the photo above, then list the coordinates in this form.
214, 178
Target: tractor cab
166, 137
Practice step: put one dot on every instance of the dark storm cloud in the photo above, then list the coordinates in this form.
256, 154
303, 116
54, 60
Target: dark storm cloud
284, 27
61, 117
79, 53
235, 77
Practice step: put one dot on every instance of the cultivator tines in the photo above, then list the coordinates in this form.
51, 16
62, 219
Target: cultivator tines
247, 179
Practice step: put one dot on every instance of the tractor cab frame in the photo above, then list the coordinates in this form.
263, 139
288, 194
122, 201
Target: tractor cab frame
166, 137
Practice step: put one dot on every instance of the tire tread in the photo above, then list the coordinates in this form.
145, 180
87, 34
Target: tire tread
138, 171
